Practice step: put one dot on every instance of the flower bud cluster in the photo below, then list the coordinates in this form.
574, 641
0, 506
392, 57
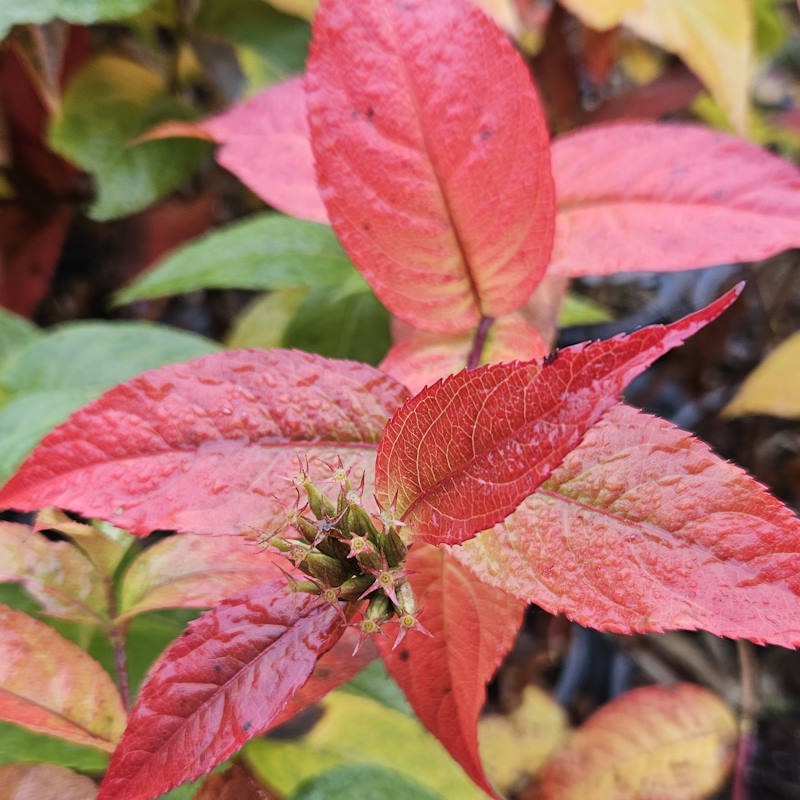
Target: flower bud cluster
349, 556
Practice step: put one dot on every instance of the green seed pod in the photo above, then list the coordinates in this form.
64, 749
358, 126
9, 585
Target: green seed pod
369, 559
334, 547
326, 569
379, 608
354, 587
405, 598
308, 530
360, 523
319, 504
393, 546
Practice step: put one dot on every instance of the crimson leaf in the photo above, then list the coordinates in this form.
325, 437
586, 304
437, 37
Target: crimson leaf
206, 446
432, 158
444, 676
464, 453
643, 528
220, 684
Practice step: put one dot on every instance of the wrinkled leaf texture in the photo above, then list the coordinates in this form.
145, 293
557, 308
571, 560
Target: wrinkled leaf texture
432, 157
444, 676
208, 446
646, 196
643, 528
220, 684
463, 454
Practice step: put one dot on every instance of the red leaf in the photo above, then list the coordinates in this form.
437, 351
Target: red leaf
338, 665
421, 358
219, 685
206, 446
444, 676
265, 143
643, 528
643, 196
432, 158
463, 454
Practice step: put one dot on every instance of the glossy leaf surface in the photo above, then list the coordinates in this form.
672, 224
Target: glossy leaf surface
54, 373
264, 251
194, 571
219, 685
647, 196
422, 358
209, 446
656, 741
432, 157
461, 455
773, 387
444, 676
56, 574
643, 528
50, 685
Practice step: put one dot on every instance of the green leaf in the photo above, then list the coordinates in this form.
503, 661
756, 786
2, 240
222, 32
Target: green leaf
355, 326
45, 380
359, 731
20, 745
375, 683
106, 107
271, 45
14, 332
578, 310
78, 11
264, 321
264, 251
362, 782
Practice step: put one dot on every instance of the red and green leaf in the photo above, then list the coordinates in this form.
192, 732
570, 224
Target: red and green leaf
444, 676
643, 528
194, 571
463, 454
57, 574
644, 196
220, 684
208, 446
49, 685
432, 158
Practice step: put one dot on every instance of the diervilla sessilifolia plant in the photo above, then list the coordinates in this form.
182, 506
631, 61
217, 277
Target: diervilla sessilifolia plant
412, 517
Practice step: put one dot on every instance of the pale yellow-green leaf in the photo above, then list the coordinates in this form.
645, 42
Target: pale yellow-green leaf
357, 730
653, 742
713, 37
298, 8
773, 387
514, 746
601, 14
264, 321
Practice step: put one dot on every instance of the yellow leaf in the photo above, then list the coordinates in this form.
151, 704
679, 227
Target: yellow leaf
264, 321
601, 14
713, 37
297, 8
359, 730
657, 741
514, 746
773, 387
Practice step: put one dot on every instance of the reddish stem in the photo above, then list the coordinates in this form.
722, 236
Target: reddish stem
479, 341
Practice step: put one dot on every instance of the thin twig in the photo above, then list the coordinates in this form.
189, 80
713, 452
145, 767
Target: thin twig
748, 669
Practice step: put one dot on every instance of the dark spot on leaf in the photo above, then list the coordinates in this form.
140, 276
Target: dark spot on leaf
484, 134
217, 669
247, 725
370, 113
353, 113
551, 357
403, 655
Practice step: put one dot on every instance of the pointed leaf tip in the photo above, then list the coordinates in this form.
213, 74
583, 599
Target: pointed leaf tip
432, 158
464, 453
